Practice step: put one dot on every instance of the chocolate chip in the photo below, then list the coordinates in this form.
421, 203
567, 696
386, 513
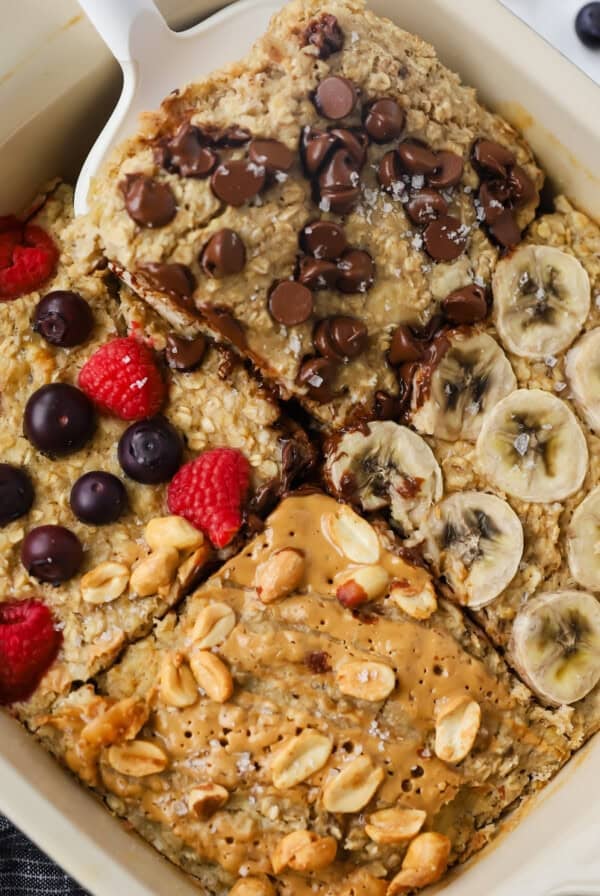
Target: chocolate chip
506, 230
354, 141
492, 158
404, 346
335, 97
223, 254
339, 201
390, 407
384, 120
238, 180
325, 34
426, 205
271, 154
340, 337
448, 172
522, 188
318, 662
51, 554
148, 202
357, 271
16, 493
492, 196
59, 419
390, 171
188, 154
185, 355
416, 158
315, 147
290, 303
176, 279
63, 318
445, 238
317, 273
318, 375
222, 320
98, 498
231, 137
338, 182
466, 305
323, 240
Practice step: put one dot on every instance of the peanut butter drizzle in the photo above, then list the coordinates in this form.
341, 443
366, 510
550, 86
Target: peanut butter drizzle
277, 695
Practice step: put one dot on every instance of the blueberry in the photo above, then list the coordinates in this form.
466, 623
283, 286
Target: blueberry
51, 554
63, 318
150, 451
16, 493
98, 498
587, 25
59, 419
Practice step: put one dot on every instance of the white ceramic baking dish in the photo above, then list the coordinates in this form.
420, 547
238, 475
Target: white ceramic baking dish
56, 86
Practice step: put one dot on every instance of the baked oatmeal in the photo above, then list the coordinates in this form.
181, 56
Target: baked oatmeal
324, 713
313, 721
84, 485
320, 192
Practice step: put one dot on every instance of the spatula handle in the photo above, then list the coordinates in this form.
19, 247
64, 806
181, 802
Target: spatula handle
116, 21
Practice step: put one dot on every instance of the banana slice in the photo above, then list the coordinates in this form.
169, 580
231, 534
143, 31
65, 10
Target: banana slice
532, 447
582, 369
541, 300
386, 465
555, 645
475, 540
470, 378
583, 542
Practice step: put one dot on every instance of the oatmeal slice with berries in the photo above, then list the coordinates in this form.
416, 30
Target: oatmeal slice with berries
335, 184
101, 407
314, 719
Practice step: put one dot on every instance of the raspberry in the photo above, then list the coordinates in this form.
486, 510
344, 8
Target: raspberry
209, 492
29, 644
122, 377
27, 258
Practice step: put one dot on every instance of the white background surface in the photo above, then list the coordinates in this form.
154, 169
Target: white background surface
555, 20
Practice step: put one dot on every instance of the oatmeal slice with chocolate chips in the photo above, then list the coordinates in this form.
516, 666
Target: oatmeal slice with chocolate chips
314, 720
337, 183
86, 532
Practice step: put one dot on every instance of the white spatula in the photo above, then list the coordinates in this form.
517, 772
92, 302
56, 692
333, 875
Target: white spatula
156, 60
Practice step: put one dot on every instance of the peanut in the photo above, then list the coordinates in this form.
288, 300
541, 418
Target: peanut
395, 825
172, 532
137, 758
104, 583
177, 684
300, 758
212, 675
363, 583
456, 728
303, 851
352, 535
205, 799
212, 626
252, 886
155, 571
279, 575
353, 787
417, 602
366, 680
425, 861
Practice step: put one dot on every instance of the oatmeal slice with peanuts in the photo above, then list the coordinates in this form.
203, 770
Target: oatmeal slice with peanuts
284, 737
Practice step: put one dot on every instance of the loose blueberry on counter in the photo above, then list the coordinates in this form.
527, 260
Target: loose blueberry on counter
587, 25
63, 318
59, 419
98, 498
150, 451
51, 554
16, 493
